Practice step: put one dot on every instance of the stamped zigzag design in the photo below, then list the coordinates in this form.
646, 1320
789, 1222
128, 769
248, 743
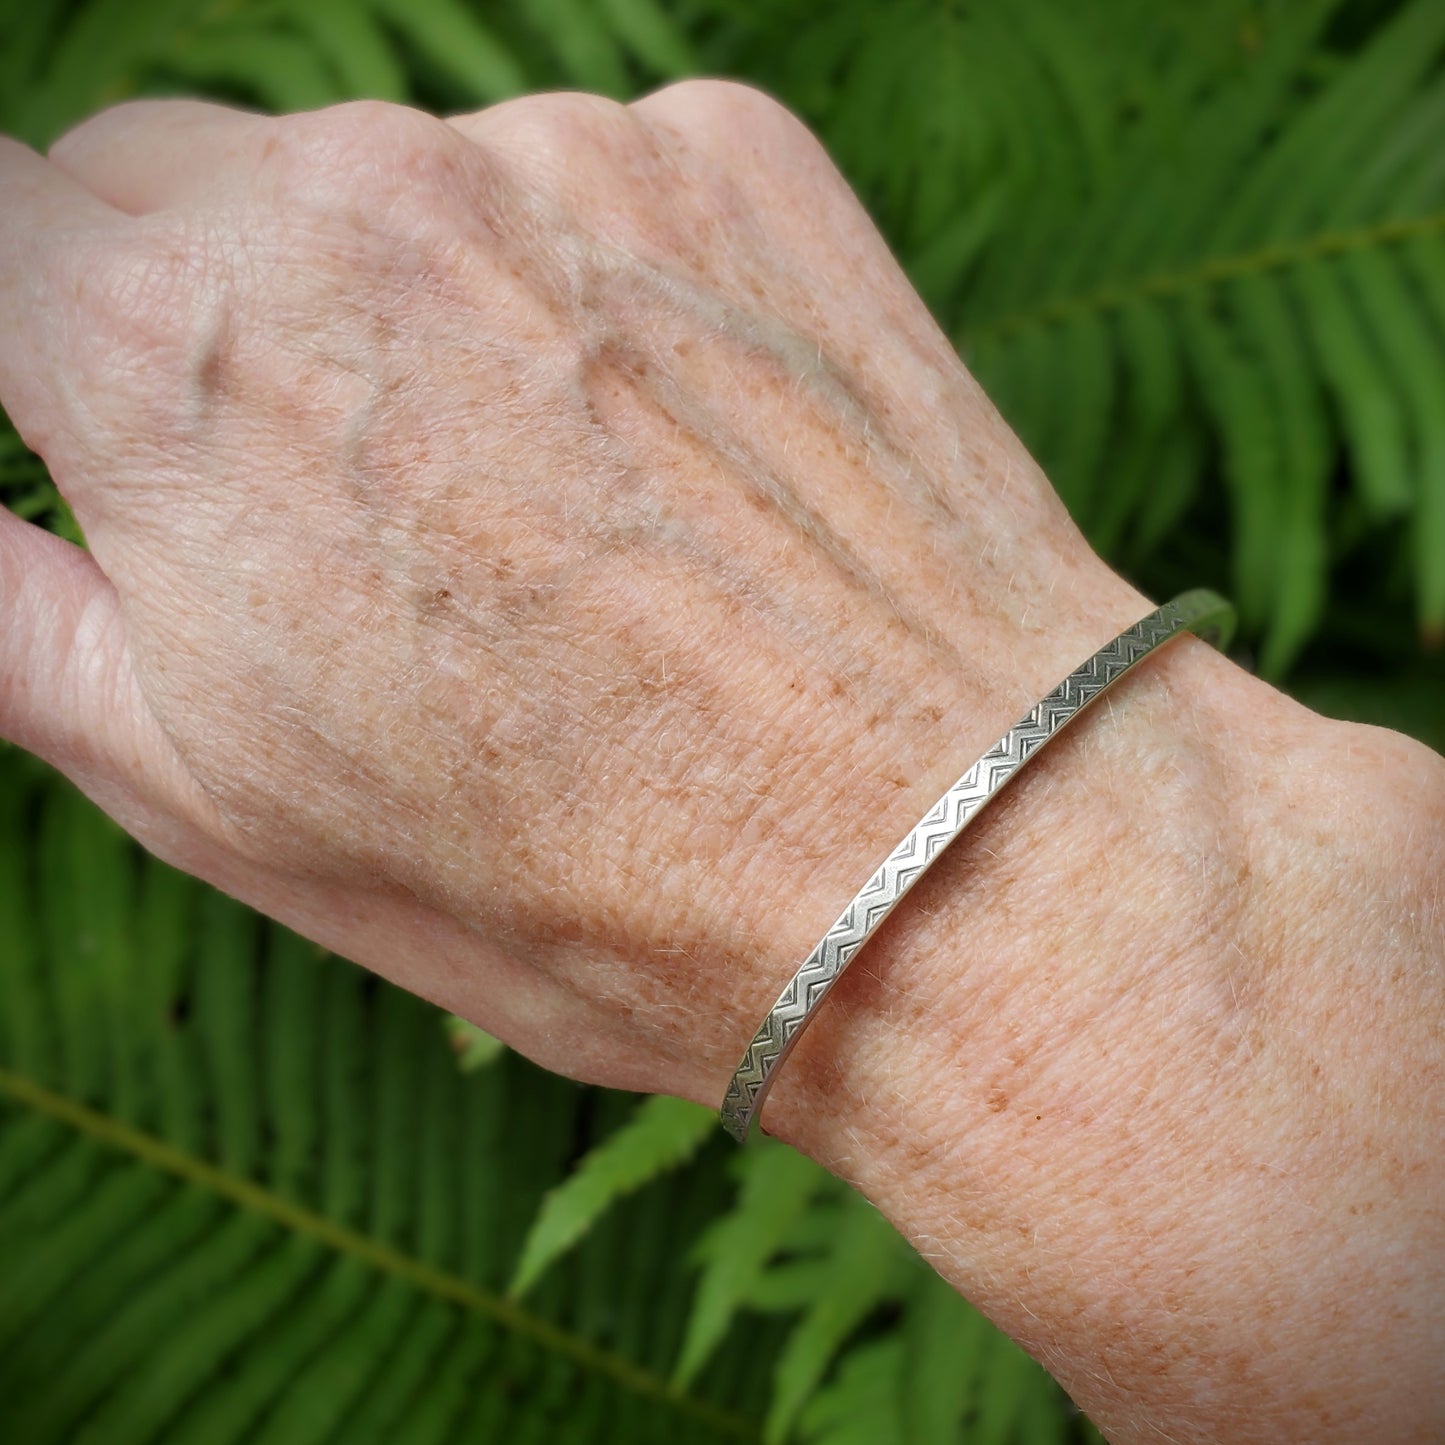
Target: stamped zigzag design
1199, 611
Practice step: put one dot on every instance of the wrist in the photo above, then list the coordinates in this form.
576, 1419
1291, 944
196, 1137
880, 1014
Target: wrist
1083, 1068
1105, 861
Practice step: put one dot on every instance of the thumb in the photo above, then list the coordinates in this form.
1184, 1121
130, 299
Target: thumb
68, 689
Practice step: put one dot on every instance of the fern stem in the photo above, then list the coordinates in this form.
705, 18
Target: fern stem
1212, 272
302, 1221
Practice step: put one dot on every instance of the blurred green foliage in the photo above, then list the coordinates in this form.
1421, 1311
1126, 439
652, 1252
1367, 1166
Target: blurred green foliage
1195, 252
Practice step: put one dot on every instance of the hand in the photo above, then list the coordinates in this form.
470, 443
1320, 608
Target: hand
548, 557
551, 557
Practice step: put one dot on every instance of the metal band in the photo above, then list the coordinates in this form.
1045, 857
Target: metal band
1201, 612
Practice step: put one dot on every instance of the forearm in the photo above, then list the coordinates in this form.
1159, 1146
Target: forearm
1149, 1067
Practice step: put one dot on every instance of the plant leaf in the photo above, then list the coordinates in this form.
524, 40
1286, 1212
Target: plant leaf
777, 1184
861, 1405
454, 39
661, 1135
868, 1261
474, 1047
245, 1195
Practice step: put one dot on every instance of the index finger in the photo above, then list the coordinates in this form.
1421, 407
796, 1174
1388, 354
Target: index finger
42, 212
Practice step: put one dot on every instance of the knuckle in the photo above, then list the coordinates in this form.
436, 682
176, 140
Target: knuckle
729, 110
363, 151
363, 128
559, 130
135, 291
143, 302
81, 139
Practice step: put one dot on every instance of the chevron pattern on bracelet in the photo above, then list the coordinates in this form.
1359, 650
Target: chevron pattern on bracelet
943, 822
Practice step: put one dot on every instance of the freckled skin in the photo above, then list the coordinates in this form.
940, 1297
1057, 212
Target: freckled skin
551, 557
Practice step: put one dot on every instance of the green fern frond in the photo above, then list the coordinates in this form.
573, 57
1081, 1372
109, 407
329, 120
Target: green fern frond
860, 1407
1263, 292
942, 1375
453, 37
351, 41
290, 57
278, 69
735, 1252
652, 35
474, 1047
662, 1135
244, 1194
866, 1260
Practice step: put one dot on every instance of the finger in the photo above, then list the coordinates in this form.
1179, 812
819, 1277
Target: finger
742, 130
788, 179
43, 212
68, 690
570, 144
535, 125
148, 155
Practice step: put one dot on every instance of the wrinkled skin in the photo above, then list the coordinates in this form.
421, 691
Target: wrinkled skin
555, 532
552, 556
